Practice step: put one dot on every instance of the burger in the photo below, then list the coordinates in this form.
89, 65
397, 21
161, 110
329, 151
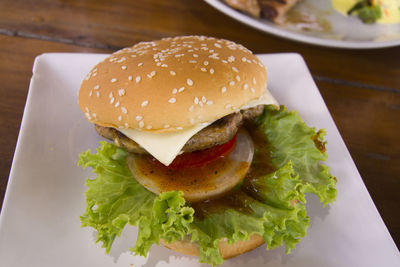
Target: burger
202, 159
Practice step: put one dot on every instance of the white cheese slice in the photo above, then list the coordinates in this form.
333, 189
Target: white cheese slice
166, 146
163, 146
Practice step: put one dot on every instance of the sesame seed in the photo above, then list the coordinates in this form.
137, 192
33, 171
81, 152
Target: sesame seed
174, 91
90, 93
138, 79
254, 80
164, 66
196, 100
116, 104
189, 81
203, 99
172, 100
181, 89
145, 103
123, 67
173, 73
203, 69
211, 71
231, 58
130, 77
119, 118
224, 61
139, 118
124, 110
191, 108
217, 45
166, 126
121, 92
232, 83
214, 56
245, 86
192, 61
126, 125
140, 64
238, 78
209, 102
252, 90
98, 94
153, 73
110, 95
112, 100
96, 87
148, 127
205, 63
223, 89
113, 80
235, 69
179, 128
141, 124
244, 59
195, 55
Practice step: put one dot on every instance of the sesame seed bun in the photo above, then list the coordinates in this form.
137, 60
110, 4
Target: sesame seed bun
171, 84
227, 251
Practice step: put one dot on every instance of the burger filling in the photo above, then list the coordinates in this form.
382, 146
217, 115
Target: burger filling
219, 132
269, 201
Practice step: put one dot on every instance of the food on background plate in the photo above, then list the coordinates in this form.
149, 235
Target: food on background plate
204, 160
269, 9
370, 11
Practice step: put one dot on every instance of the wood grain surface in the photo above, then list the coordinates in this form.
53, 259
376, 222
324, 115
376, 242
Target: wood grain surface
360, 87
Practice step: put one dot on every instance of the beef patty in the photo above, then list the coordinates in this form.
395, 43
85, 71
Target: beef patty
219, 132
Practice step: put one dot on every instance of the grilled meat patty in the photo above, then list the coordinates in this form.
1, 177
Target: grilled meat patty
219, 132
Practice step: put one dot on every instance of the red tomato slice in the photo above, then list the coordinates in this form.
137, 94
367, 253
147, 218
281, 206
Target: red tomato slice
201, 157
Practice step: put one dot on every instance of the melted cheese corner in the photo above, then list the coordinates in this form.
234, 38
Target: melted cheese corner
166, 146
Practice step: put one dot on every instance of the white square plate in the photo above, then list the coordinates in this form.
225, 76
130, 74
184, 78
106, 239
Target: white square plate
39, 223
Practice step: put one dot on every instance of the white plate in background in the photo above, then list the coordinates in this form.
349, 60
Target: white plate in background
336, 31
40, 226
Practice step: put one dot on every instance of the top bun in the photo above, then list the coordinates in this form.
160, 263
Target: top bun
171, 84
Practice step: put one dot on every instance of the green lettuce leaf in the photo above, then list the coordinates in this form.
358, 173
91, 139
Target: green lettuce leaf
115, 198
291, 139
270, 205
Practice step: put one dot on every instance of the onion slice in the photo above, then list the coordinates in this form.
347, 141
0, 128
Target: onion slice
197, 184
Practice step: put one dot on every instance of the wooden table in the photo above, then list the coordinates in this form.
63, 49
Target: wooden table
360, 87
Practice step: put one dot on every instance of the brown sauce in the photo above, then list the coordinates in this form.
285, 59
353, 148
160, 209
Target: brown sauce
241, 197
190, 179
320, 145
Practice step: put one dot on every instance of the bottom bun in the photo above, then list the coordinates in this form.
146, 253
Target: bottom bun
227, 251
